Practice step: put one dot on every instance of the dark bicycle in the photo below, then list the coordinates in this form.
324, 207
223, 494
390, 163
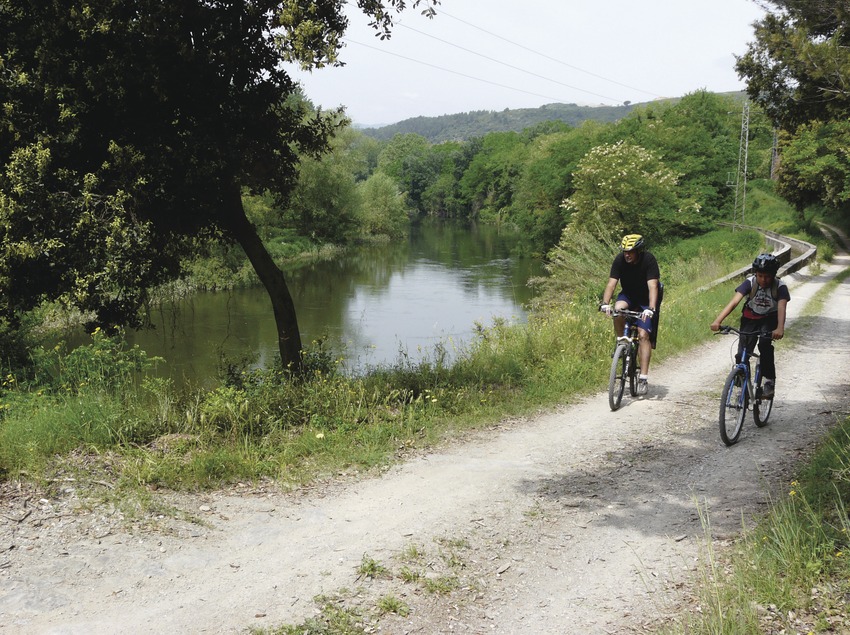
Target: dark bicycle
624, 363
740, 389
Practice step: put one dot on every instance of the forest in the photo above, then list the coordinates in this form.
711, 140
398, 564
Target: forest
466, 125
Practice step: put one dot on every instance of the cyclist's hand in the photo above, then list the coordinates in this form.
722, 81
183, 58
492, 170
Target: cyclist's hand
607, 309
647, 314
714, 326
778, 334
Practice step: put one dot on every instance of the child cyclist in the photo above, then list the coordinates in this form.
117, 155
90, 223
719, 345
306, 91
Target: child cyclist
764, 310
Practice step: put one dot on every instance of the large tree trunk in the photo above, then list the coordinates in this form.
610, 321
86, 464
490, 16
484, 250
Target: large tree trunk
288, 336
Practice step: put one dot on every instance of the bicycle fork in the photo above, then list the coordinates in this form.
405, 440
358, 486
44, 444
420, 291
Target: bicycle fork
748, 387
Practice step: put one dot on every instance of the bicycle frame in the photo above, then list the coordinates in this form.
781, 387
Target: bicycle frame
746, 355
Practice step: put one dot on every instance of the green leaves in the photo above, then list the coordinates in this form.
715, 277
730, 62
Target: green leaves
798, 67
624, 188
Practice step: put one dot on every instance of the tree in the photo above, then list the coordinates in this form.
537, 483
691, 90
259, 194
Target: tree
547, 179
798, 67
624, 188
129, 127
815, 166
383, 211
323, 203
489, 181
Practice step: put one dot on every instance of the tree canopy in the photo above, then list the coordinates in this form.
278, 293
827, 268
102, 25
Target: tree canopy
798, 67
128, 127
798, 70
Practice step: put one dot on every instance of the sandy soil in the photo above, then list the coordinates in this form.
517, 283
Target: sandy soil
579, 520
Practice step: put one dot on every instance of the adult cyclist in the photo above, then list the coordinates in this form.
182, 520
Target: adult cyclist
636, 271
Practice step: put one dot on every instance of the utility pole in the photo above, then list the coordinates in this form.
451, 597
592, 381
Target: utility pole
741, 179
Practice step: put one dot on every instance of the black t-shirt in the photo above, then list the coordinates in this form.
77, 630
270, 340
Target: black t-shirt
633, 278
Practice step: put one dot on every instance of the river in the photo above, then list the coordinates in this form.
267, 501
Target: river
372, 305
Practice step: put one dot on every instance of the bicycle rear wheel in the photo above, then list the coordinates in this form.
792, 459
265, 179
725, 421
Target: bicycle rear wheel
617, 381
733, 406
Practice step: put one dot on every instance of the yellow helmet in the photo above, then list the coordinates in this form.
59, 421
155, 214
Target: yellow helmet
631, 242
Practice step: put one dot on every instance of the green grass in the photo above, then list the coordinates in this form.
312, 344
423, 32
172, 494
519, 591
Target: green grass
791, 573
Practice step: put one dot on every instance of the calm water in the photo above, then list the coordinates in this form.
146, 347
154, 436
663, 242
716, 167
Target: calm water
371, 305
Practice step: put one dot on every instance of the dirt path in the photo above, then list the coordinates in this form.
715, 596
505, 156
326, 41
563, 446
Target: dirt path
581, 520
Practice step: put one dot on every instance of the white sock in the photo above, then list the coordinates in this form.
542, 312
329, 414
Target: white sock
644, 377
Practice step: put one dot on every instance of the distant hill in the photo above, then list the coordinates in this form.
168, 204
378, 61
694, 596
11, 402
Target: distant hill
478, 123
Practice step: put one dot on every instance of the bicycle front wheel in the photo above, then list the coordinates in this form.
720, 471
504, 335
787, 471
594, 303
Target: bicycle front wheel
761, 409
617, 381
633, 373
733, 406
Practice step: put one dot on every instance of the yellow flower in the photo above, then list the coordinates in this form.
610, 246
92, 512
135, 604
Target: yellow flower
320, 435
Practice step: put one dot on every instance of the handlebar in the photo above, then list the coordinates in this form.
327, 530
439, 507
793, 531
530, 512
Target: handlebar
725, 330
625, 312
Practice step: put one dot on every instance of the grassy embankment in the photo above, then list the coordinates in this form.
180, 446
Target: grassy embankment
88, 407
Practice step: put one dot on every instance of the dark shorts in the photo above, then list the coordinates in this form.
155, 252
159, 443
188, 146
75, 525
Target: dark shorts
646, 325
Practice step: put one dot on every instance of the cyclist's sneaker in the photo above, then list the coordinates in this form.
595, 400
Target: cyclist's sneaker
768, 389
642, 386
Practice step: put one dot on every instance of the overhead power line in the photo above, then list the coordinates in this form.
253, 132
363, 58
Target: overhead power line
448, 70
517, 68
548, 57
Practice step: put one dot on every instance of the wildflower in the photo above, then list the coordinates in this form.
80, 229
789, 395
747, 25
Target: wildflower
320, 435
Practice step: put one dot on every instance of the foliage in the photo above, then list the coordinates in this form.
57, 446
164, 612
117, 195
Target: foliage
624, 188
815, 166
487, 185
698, 138
323, 204
407, 159
798, 66
383, 211
547, 179
469, 125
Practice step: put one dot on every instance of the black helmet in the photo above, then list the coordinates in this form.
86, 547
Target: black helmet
631, 242
766, 263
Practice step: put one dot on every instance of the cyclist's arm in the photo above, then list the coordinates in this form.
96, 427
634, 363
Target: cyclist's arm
653, 293
779, 333
736, 299
608, 294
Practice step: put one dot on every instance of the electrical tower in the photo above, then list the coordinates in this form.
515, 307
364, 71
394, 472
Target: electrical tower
741, 178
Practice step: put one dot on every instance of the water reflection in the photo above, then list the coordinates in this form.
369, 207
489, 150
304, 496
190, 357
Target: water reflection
371, 304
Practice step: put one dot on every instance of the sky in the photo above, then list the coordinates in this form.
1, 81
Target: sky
498, 54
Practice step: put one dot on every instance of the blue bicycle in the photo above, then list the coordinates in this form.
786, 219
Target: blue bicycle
740, 390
